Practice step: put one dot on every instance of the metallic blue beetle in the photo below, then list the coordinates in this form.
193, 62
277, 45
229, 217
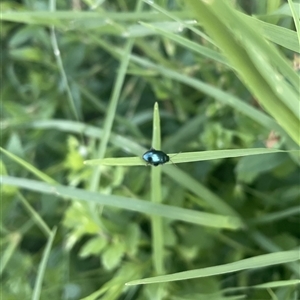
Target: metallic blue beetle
155, 157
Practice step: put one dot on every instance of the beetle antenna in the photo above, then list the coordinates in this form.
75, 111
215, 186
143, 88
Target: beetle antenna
176, 154
173, 156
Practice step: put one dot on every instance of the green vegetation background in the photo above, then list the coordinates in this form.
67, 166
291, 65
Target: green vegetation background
79, 82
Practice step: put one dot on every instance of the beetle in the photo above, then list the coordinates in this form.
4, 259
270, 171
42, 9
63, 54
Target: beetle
155, 157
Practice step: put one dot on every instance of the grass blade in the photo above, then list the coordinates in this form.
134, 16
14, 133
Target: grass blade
148, 208
156, 221
186, 157
29, 167
42, 267
244, 264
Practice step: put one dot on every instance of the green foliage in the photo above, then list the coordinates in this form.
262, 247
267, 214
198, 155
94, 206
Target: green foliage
88, 87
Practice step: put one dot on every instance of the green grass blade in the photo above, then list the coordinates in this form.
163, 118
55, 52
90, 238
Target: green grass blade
148, 208
64, 77
295, 17
35, 216
42, 267
29, 167
13, 241
111, 111
269, 245
57, 54
188, 44
174, 17
266, 285
276, 34
71, 19
275, 284
156, 221
244, 264
285, 10
273, 217
186, 157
